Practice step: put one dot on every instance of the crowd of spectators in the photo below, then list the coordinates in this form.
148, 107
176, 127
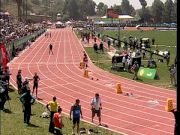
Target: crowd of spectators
11, 31
17, 35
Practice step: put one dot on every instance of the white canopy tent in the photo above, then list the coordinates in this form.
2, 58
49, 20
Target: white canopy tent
101, 22
68, 22
59, 23
121, 17
58, 14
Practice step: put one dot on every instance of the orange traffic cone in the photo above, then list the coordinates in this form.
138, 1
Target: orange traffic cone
169, 106
118, 88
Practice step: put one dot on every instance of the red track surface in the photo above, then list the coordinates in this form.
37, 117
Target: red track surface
61, 76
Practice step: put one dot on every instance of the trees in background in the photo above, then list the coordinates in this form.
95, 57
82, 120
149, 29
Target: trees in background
80, 9
101, 9
126, 8
157, 11
168, 11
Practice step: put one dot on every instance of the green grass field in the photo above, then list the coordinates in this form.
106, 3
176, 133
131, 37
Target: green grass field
165, 38
11, 120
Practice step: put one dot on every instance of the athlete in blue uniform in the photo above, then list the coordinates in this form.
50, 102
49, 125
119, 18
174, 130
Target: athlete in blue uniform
76, 112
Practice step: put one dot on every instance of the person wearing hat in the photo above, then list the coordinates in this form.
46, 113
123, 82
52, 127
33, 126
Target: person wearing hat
52, 106
19, 81
76, 113
96, 107
27, 99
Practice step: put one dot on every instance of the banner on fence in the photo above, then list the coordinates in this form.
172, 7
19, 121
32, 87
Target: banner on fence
147, 73
3, 56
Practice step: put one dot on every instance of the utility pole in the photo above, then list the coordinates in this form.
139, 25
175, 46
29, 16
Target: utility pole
119, 28
26, 10
0, 5
51, 3
23, 9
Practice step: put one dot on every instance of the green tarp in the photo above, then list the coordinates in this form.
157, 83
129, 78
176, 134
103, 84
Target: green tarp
147, 73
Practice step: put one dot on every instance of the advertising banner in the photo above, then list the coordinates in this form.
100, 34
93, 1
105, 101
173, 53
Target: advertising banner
147, 73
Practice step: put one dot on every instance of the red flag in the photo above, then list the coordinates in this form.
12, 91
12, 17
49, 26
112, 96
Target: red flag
3, 55
112, 14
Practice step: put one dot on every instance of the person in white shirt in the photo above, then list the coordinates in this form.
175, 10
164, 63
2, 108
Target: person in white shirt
124, 61
96, 107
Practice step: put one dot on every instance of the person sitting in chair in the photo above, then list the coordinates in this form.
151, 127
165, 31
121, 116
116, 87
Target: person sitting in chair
151, 63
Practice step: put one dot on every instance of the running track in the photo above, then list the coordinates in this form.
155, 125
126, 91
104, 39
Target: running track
61, 76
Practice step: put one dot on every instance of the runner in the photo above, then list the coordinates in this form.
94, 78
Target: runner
96, 107
76, 110
50, 49
85, 60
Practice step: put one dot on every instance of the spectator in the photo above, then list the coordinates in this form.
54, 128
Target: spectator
129, 63
96, 107
101, 47
124, 62
53, 109
109, 44
98, 35
58, 123
27, 99
50, 49
151, 63
135, 69
143, 53
35, 84
167, 56
76, 112
3, 97
19, 81
25, 86
172, 70
7, 75
175, 112
95, 47
153, 41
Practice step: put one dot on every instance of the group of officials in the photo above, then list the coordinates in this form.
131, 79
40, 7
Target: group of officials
24, 91
56, 123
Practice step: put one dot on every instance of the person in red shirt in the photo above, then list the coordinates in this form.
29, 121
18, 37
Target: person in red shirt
58, 124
